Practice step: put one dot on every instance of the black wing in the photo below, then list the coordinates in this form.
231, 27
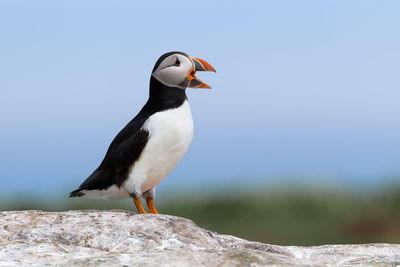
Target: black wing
124, 150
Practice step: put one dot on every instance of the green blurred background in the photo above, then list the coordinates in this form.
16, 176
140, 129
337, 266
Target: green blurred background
284, 215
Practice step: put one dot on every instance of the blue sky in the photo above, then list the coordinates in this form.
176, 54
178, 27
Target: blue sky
303, 88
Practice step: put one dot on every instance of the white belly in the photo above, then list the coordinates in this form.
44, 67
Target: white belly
170, 135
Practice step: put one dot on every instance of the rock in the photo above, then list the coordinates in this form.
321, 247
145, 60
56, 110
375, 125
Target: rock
121, 238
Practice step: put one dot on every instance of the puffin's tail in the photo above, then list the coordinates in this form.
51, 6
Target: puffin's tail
89, 184
76, 193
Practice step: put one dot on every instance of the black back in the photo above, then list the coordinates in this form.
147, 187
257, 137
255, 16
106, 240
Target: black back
127, 146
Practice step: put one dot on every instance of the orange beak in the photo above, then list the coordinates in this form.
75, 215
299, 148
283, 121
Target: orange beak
199, 65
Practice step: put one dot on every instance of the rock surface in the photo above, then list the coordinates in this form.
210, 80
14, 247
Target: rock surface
121, 238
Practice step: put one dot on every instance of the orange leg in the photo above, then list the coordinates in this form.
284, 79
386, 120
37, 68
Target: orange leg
150, 204
138, 204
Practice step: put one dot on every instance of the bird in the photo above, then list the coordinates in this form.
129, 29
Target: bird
150, 146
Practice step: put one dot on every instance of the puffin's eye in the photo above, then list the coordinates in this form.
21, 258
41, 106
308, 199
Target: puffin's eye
177, 62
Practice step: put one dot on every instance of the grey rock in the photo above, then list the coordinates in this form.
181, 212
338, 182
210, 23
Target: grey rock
121, 238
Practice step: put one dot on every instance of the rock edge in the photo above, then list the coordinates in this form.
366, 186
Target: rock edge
122, 238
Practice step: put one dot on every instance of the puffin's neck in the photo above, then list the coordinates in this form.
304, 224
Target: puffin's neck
165, 97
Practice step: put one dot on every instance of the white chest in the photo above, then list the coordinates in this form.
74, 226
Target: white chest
170, 135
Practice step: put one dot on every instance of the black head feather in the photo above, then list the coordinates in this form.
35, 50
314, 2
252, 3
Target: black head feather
165, 56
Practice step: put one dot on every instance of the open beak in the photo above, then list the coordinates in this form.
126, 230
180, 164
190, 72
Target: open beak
199, 65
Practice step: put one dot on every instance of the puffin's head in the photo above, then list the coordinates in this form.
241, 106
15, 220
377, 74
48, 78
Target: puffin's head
177, 69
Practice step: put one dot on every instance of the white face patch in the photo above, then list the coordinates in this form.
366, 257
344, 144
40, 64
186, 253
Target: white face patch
172, 74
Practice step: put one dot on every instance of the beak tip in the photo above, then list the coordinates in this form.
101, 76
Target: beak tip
201, 65
204, 86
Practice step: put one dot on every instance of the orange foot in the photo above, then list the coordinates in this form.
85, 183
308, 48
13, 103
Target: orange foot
138, 204
150, 204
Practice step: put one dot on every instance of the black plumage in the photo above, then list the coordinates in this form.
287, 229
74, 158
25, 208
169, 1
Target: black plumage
127, 146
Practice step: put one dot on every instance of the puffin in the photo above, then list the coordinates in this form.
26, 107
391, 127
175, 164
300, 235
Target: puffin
150, 146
